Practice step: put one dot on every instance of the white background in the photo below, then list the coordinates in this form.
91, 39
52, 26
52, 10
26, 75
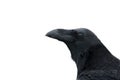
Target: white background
27, 54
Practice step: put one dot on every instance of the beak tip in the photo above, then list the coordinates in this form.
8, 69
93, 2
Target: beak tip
48, 35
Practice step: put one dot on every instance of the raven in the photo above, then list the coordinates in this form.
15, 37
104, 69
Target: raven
92, 58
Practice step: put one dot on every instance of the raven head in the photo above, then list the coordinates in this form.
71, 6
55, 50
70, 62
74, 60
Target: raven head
82, 38
78, 41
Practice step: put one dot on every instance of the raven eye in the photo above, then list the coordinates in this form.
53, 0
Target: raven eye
80, 34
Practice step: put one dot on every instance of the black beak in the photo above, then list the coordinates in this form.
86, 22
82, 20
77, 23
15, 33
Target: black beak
53, 33
61, 34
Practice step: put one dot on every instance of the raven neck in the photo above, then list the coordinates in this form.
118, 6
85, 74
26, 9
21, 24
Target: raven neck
98, 55
100, 59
